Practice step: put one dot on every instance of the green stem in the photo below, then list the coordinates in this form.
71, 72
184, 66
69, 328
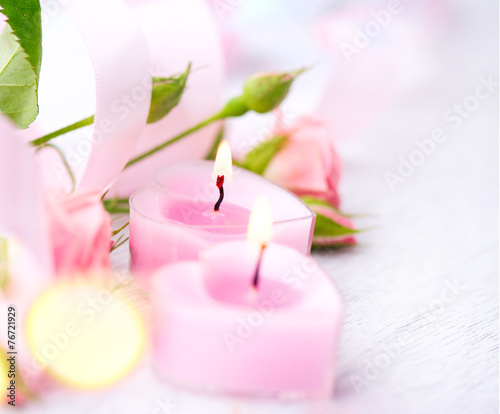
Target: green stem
117, 210
117, 200
66, 129
118, 244
174, 139
116, 205
115, 232
215, 145
234, 107
65, 162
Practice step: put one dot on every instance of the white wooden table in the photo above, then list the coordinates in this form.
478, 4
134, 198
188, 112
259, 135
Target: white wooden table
421, 289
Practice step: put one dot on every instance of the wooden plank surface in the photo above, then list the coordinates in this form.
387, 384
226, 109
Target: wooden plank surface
421, 289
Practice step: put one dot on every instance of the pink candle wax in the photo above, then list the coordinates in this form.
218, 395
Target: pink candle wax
214, 332
175, 220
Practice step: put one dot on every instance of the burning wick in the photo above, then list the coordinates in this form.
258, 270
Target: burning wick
219, 183
255, 282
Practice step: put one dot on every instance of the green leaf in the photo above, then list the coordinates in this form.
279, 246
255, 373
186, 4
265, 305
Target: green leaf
317, 247
259, 157
313, 201
18, 89
215, 146
166, 95
329, 230
326, 227
24, 17
20, 60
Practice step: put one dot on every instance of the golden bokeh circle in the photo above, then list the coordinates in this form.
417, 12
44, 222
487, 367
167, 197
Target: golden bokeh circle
85, 334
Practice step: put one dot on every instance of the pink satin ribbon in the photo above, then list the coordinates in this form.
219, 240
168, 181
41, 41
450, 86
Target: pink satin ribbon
21, 196
178, 32
119, 57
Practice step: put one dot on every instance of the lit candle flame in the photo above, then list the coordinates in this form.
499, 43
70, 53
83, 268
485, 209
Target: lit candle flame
260, 225
223, 163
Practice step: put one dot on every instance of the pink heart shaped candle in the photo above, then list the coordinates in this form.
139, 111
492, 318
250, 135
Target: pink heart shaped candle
175, 220
213, 331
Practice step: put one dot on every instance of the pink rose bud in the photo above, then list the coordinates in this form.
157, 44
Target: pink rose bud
80, 230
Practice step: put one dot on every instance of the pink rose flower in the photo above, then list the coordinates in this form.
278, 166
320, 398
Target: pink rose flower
309, 166
80, 231
308, 163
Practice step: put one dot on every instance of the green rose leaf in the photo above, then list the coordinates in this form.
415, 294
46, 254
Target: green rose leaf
24, 18
166, 95
332, 229
18, 86
327, 227
313, 201
20, 60
259, 157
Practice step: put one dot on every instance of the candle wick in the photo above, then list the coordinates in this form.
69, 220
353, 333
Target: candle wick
256, 277
219, 183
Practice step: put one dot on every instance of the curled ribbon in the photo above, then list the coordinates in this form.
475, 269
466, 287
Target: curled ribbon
119, 57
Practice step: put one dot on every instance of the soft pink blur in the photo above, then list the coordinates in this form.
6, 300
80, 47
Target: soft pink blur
372, 72
363, 85
23, 225
80, 229
308, 163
